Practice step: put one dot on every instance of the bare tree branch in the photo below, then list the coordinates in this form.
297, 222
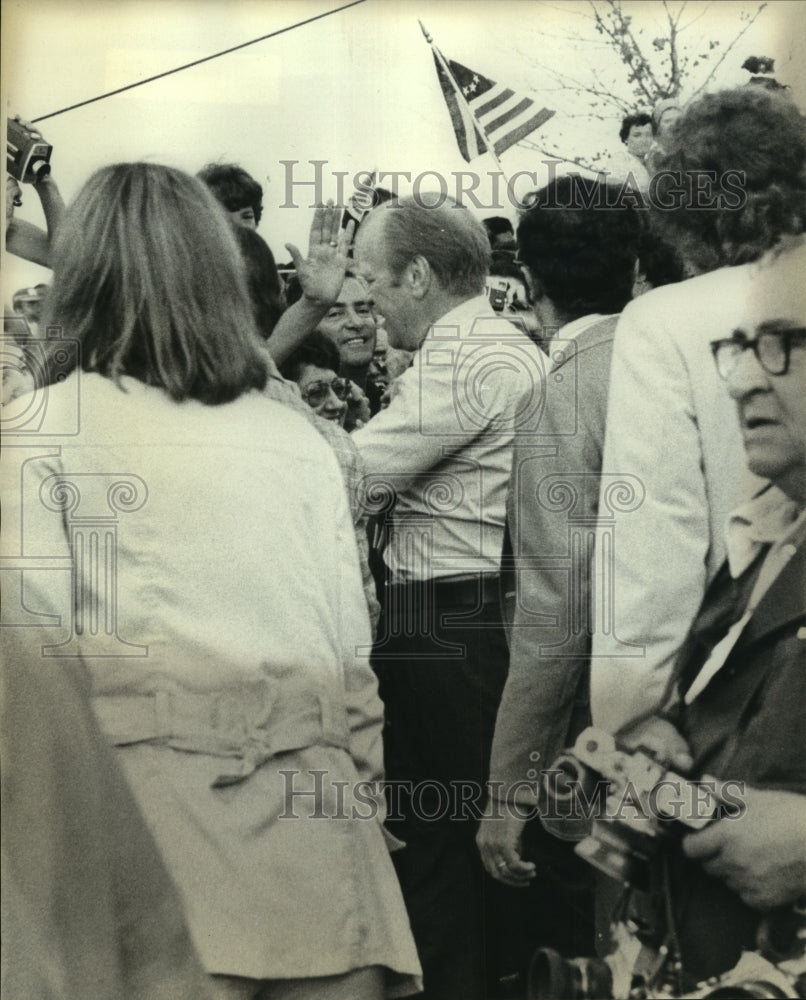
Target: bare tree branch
565, 10
674, 66
625, 21
555, 155
572, 84
728, 50
682, 7
612, 98
643, 67
621, 47
694, 20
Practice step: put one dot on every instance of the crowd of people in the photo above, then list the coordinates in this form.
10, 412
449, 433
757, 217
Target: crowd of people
311, 573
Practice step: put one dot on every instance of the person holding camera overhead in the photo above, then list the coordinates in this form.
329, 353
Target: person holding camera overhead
28, 162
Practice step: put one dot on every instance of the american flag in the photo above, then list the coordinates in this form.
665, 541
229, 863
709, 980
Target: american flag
504, 116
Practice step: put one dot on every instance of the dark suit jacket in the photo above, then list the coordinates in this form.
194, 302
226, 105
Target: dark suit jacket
551, 512
747, 725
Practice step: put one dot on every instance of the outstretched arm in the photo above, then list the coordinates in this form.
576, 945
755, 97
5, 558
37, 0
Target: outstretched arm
321, 276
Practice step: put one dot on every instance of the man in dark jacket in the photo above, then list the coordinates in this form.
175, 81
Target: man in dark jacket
739, 683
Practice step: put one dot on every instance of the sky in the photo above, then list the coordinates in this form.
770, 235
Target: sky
357, 89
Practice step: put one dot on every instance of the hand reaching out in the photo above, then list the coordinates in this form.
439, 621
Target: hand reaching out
358, 410
321, 274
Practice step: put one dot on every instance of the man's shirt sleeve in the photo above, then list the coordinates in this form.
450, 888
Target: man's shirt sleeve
421, 425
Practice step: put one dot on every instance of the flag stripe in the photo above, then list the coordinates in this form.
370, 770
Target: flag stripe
476, 140
473, 142
483, 109
522, 131
512, 124
510, 102
496, 123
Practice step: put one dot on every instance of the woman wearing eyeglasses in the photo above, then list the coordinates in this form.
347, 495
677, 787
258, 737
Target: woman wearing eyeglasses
313, 366
189, 517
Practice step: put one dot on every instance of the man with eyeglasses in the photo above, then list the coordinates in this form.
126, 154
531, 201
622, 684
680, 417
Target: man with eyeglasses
735, 705
317, 394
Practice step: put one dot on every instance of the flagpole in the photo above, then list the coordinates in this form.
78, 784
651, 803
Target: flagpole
461, 96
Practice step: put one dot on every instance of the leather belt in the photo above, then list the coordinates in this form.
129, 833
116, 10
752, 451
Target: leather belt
465, 592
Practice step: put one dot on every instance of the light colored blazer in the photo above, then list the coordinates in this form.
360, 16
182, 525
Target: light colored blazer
551, 510
672, 427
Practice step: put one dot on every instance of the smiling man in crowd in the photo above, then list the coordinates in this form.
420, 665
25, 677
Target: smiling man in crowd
350, 324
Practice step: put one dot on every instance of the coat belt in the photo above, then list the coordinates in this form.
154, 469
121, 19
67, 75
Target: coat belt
250, 723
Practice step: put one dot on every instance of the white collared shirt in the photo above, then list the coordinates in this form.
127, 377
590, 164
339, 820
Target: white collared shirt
444, 445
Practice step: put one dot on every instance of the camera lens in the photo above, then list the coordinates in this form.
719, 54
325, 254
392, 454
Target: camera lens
551, 977
39, 168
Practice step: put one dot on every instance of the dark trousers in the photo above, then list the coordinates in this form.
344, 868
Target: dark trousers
441, 659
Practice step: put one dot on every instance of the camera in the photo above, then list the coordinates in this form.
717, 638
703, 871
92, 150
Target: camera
631, 804
551, 977
633, 811
497, 289
27, 153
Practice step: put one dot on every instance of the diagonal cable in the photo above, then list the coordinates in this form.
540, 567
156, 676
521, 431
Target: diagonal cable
197, 62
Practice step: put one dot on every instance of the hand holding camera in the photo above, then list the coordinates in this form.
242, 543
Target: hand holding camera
27, 153
659, 738
28, 162
750, 839
762, 858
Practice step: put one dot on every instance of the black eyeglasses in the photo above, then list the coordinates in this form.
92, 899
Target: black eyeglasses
317, 392
771, 347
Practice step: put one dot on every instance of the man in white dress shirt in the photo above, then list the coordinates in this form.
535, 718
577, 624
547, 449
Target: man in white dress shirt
443, 448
